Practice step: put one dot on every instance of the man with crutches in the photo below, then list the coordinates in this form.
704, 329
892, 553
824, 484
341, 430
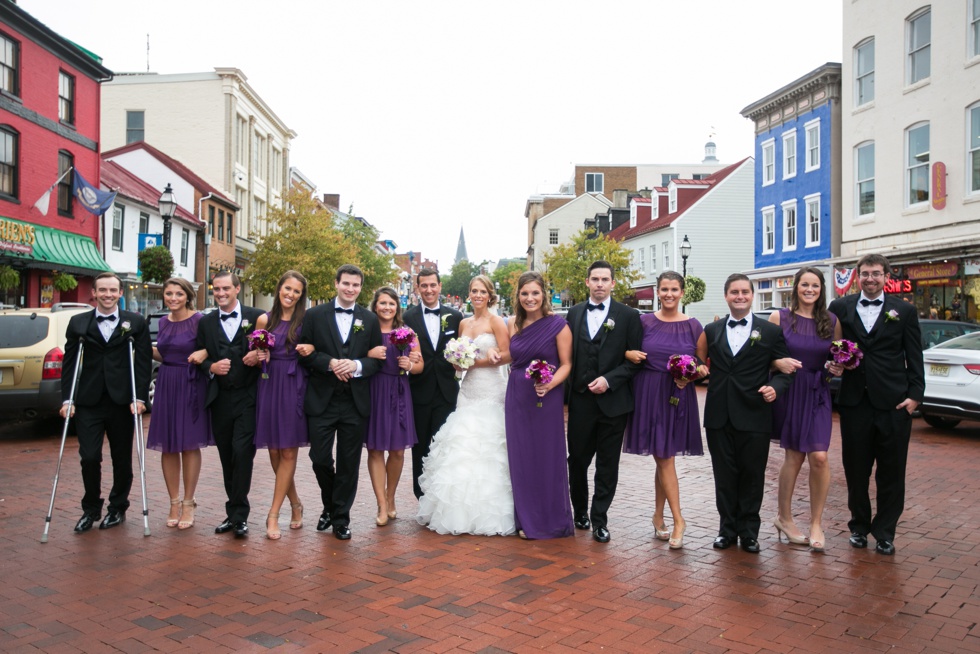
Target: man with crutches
110, 394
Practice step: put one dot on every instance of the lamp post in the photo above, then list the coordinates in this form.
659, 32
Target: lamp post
685, 253
168, 206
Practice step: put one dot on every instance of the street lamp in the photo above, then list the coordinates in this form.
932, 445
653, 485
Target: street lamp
685, 253
168, 206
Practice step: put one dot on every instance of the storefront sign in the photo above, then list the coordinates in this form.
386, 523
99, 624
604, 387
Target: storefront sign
938, 282
784, 282
47, 292
939, 185
898, 286
16, 237
932, 270
971, 267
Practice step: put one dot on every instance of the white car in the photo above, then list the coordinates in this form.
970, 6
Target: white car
952, 382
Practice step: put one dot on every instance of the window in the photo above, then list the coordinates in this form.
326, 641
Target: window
8, 161
135, 126
701, 176
211, 221
666, 248
666, 177
768, 230
789, 225
275, 180
812, 220
812, 145
144, 223
118, 216
789, 154
671, 198
974, 147
66, 163
552, 237
258, 213
632, 214
765, 300
864, 73
593, 182
865, 167
221, 225
241, 140
917, 164
230, 233
654, 207
919, 40
643, 262
9, 65
241, 202
259, 156
974, 37
653, 258
768, 162
66, 98
185, 237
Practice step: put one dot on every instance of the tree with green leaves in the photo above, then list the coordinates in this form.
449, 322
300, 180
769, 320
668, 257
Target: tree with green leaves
694, 288
379, 269
507, 277
567, 265
156, 264
457, 282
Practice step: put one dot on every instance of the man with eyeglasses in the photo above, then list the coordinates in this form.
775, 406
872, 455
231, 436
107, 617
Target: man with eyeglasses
876, 401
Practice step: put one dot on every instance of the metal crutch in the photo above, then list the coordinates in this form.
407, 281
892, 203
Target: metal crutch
138, 427
64, 436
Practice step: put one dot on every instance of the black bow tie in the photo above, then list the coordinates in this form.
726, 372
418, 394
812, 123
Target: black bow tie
743, 322
435, 311
343, 310
865, 303
594, 307
227, 316
111, 318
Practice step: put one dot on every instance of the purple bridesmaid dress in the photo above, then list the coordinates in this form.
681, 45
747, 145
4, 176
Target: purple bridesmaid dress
280, 422
391, 425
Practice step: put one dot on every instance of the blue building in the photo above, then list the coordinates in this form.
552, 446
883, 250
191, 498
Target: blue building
797, 183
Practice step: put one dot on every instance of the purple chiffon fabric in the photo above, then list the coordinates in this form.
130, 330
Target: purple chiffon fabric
391, 425
280, 422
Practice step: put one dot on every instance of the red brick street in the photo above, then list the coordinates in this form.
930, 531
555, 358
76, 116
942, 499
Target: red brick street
402, 588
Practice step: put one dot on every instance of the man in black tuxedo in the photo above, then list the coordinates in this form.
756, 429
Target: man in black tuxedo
738, 410
103, 404
876, 401
233, 372
338, 398
435, 389
601, 398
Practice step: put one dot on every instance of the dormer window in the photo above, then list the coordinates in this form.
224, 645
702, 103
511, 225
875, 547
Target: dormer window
632, 214
672, 199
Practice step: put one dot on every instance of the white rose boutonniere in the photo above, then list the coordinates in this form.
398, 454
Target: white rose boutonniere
358, 325
609, 325
125, 327
444, 322
754, 337
245, 325
892, 316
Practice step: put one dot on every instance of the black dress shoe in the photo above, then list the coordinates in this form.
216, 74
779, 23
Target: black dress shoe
113, 519
342, 532
601, 535
750, 545
857, 540
582, 522
225, 526
85, 522
241, 529
323, 523
885, 547
722, 543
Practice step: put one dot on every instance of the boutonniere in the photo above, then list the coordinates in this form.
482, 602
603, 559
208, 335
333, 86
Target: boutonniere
754, 337
444, 322
358, 325
609, 325
891, 316
245, 325
125, 327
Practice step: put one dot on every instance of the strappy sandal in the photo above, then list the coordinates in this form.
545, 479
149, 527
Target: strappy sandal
294, 523
272, 533
184, 523
172, 522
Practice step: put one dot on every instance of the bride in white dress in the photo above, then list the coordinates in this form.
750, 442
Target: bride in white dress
466, 479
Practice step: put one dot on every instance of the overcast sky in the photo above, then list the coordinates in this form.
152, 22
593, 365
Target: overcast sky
428, 116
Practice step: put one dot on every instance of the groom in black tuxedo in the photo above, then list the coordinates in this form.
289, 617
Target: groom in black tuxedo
876, 401
601, 398
338, 398
435, 389
103, 404
738, 410
233, 372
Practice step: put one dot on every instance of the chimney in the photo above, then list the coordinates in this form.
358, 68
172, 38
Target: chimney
332, 200
645, 192
620, 198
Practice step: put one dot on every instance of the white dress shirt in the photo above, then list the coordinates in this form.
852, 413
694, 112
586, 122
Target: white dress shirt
869, 314
106, 327
739, 334
345, 322
432, 324
231, 325
595, 317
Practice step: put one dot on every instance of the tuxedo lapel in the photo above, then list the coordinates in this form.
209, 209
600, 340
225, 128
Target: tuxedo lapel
92, 329
722, 343
332, 326
578, 320
603, 329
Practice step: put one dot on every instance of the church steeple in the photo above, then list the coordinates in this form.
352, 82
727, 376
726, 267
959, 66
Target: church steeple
461, 247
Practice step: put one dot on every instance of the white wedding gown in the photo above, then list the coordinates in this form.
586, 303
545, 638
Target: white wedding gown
466, 478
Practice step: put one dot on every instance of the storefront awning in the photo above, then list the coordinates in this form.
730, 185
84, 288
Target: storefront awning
646, 293
34, 246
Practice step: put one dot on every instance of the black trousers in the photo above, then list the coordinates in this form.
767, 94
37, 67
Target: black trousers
95, 423
593, 434
738, 460
872, 437
429, 418
233, 425
338, 486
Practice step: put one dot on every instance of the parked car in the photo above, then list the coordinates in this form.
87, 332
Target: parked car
952, 382
32, 348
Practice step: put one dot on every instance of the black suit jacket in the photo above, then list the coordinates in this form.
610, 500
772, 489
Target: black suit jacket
438, 375
627, 334
320, 330
733, 387
211, 337
105, 365
892, 354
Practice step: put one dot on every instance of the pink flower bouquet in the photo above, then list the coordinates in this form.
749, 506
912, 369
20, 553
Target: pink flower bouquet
846, 353
541, 372
261, 339
682, 367
404, 339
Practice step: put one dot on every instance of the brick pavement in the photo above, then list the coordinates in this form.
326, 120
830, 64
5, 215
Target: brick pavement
404, 589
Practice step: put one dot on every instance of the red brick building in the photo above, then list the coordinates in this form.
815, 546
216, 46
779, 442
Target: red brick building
49, 124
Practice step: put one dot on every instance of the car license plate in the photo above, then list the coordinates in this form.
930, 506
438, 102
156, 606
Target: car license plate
937, 370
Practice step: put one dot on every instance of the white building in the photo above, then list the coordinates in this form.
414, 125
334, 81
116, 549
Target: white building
561, 224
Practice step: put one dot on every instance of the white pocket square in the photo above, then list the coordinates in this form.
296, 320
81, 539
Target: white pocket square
449, 333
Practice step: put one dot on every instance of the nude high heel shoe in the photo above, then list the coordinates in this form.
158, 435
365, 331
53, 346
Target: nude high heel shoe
781, 530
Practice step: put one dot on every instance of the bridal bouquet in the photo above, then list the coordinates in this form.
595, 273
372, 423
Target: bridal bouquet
846, 353
682, 367
541, 372
461, 352
403, 338
261, 339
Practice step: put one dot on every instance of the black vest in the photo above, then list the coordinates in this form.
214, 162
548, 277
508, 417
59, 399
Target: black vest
586, 357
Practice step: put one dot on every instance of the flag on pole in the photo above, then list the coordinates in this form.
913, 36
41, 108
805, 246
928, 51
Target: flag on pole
92, 199
42, 202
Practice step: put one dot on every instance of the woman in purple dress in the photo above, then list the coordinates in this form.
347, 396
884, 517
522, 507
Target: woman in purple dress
665, 422
802, 416
280, 423
534, 415
391, 425
180, 426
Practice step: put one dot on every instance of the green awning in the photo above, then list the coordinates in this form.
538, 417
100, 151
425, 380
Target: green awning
34, 246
